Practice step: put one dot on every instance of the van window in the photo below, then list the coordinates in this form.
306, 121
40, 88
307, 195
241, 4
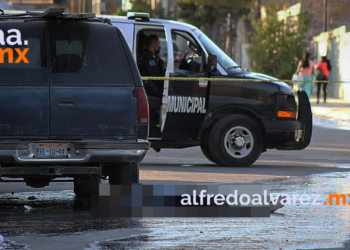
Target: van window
188, 55
30, 68
80, 57
142, 39
224, 60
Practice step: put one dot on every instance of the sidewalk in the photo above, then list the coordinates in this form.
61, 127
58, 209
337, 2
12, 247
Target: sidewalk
334, 109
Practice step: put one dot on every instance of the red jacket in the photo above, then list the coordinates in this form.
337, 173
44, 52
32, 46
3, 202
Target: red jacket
324, 67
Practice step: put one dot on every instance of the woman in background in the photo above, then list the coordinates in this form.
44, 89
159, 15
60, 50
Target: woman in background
306, 69
325, 66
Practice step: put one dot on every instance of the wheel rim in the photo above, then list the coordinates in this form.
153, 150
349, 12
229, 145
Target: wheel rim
239, 142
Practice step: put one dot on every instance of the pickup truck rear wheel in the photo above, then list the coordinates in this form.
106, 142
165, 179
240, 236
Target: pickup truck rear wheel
236, 141
124, 174
83, 185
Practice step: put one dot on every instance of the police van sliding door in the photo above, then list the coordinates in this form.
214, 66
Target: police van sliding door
187, 100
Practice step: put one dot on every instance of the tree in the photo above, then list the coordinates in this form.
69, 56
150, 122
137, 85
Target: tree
158, 12
278, 44
145, 6
218, 19
120, 12
140, 6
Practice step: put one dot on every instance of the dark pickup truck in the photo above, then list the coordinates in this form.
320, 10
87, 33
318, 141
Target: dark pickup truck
72, 102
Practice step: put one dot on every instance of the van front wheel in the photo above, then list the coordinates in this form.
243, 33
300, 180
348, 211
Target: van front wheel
236, 141
205, 146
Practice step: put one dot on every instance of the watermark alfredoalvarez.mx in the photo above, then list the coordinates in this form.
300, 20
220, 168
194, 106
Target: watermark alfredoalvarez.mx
247, 199
215, 201
337, 198
257, 199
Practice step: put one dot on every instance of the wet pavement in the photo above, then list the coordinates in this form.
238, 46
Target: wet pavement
51, 213
292, 227
56, 216
58, 220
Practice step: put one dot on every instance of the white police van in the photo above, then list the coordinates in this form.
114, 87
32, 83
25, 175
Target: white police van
232, 121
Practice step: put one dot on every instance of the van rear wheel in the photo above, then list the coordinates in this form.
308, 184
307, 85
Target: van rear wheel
124, 174
236, 141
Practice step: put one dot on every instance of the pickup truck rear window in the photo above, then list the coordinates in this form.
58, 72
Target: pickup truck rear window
80, 57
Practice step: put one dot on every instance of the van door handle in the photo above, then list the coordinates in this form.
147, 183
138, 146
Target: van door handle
65, 102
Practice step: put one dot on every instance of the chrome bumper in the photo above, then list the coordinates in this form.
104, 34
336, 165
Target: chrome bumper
80, 152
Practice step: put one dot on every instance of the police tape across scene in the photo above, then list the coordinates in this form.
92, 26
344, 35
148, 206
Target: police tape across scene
153, 78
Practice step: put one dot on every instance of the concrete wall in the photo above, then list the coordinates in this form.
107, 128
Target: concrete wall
335, 45
344, 70
241, 44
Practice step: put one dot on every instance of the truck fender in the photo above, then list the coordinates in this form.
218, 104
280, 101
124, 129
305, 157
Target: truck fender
305, 116
223, 111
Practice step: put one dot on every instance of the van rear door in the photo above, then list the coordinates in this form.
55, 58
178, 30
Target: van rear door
92, 92
24, 85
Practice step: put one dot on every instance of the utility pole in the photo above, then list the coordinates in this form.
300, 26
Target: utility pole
228, 34
258, 9
325, 15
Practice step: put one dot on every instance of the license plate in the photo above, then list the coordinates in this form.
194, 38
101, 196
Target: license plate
50, 151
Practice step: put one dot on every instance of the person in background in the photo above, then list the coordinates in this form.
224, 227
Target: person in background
149, 61
323, 69
306, 69
151, 65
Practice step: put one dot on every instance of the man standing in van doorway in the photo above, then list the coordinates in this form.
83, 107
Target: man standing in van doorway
152, 65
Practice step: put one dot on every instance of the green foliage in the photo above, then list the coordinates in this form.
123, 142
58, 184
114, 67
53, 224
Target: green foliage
140, 6
208, 12
233, 4
144, 6
201, 15
120, 12
158, 12
278, 45
212, 17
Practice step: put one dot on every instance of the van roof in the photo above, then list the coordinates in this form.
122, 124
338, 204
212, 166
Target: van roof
124, 19
57, 13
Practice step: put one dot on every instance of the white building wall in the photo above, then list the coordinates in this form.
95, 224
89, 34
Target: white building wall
344, 66
335, 45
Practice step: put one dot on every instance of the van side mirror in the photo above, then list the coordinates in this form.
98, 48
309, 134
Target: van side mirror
212, 62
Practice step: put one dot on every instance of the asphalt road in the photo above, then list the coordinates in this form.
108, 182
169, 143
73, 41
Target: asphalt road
59, 221
329, 151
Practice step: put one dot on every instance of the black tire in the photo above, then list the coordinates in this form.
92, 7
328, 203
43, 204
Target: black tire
244, 149
124, 174
205, 146
83, 185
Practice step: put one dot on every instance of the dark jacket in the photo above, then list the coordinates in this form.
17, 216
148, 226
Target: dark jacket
149, 65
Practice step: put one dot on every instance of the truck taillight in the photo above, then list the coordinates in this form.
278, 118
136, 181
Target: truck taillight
142, 106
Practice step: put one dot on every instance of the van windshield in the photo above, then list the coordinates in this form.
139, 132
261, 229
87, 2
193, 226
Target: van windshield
224, 60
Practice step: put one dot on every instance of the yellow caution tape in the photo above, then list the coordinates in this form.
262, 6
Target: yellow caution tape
148, 78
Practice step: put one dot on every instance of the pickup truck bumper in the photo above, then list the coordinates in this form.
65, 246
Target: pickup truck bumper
291, 135
82, 152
